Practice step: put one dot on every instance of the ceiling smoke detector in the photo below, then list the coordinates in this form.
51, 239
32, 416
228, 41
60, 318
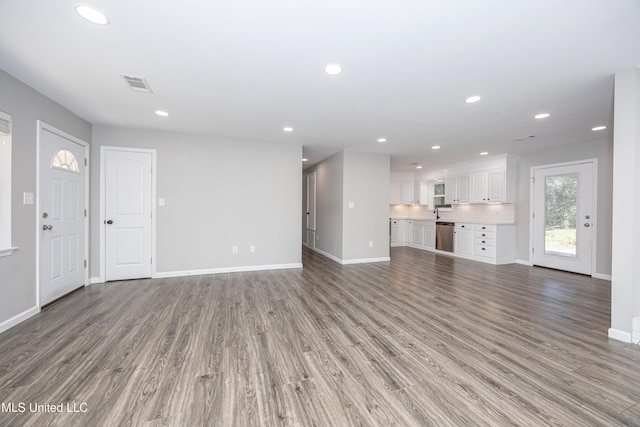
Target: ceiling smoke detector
524, 138
137, 84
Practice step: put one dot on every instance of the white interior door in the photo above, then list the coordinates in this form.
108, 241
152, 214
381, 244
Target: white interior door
311, 209
563, 217
62, 225
128, 203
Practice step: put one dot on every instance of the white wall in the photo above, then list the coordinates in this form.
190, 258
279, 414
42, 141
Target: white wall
329, 197
26, 107
601, 150
625, 284
344, 233
219, 193
366, 185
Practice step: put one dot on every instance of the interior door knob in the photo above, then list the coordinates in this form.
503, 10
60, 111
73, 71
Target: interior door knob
47, 227
109, 221
586, 224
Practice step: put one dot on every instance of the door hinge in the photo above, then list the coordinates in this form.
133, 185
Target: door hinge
533, 214
533, 250
151, 260
85, 263
85, 161
85, 213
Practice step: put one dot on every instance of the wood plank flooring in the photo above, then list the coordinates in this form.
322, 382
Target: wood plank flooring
423, 340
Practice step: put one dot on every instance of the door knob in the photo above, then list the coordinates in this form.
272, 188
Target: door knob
47, 227
586, 224
109, 222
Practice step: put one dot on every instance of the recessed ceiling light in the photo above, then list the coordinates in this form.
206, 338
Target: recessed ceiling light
333, 69
382, 139
472, 99
418, 167
599, 128
287, 129
304, 159
435, 147
162, 113
541, 116
484, 153
92, 15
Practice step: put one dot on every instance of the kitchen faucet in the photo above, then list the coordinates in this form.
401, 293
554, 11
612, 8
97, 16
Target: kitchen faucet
436, 212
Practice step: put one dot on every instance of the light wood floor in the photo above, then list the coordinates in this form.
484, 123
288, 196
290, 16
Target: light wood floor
423, 340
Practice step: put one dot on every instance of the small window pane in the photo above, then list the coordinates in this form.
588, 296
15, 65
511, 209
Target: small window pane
65, 160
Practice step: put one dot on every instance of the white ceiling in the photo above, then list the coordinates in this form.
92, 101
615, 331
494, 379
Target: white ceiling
246, 68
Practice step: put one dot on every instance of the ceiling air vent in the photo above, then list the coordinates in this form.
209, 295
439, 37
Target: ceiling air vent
137, 84
524, 138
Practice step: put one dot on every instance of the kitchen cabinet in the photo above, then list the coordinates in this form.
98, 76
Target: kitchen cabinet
494, 243
430, 235
395, 190
421, 234
408, 193
492, 186
463, 240
456, 189
398, 232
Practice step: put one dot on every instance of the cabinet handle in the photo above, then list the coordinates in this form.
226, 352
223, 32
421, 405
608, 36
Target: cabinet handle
484, 235
484, 249
484, 228
483, 242
462, 226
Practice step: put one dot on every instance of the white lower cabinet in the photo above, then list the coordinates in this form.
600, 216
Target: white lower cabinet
495, 243
463, 239
423, 234
398, 232
491, 243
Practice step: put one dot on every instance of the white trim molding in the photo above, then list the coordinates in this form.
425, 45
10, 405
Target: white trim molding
7, 251
167, 274
524, 262
619, 335
19, 318
365, 260
602, 276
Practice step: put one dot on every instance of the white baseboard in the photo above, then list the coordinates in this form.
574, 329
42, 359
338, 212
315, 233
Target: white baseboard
95, 280
19, 318
350, 261
365, 260
602, 276
619, 335
204, 271
524, 262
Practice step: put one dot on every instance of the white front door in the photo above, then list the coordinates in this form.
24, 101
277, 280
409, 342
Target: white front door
62, 224
564, 217
127, 213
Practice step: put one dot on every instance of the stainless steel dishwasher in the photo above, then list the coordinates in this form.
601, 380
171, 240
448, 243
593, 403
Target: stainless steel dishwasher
444, 236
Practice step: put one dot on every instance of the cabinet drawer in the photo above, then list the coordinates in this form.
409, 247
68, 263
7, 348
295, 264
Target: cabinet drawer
464, 226
486, 251
485, 227
483, 241
484, 235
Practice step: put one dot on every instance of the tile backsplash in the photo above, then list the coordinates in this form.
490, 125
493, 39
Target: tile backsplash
478, 213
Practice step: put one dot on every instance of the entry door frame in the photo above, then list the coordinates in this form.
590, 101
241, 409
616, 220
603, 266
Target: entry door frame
103, 205
594, 216
44, 126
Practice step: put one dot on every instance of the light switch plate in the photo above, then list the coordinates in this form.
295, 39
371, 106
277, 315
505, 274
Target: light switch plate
161, 201
28, 198
352, 205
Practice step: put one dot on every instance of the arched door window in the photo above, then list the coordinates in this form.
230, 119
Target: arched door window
65, 160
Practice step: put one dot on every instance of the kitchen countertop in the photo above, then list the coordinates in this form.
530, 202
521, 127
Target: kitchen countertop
452, 220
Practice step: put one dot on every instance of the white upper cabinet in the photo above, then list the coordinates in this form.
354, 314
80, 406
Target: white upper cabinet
408, 193
457, 190
491, 187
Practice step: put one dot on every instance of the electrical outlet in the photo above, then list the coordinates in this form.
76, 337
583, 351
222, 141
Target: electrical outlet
28, 198
252, 249
370, 243
234, 249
